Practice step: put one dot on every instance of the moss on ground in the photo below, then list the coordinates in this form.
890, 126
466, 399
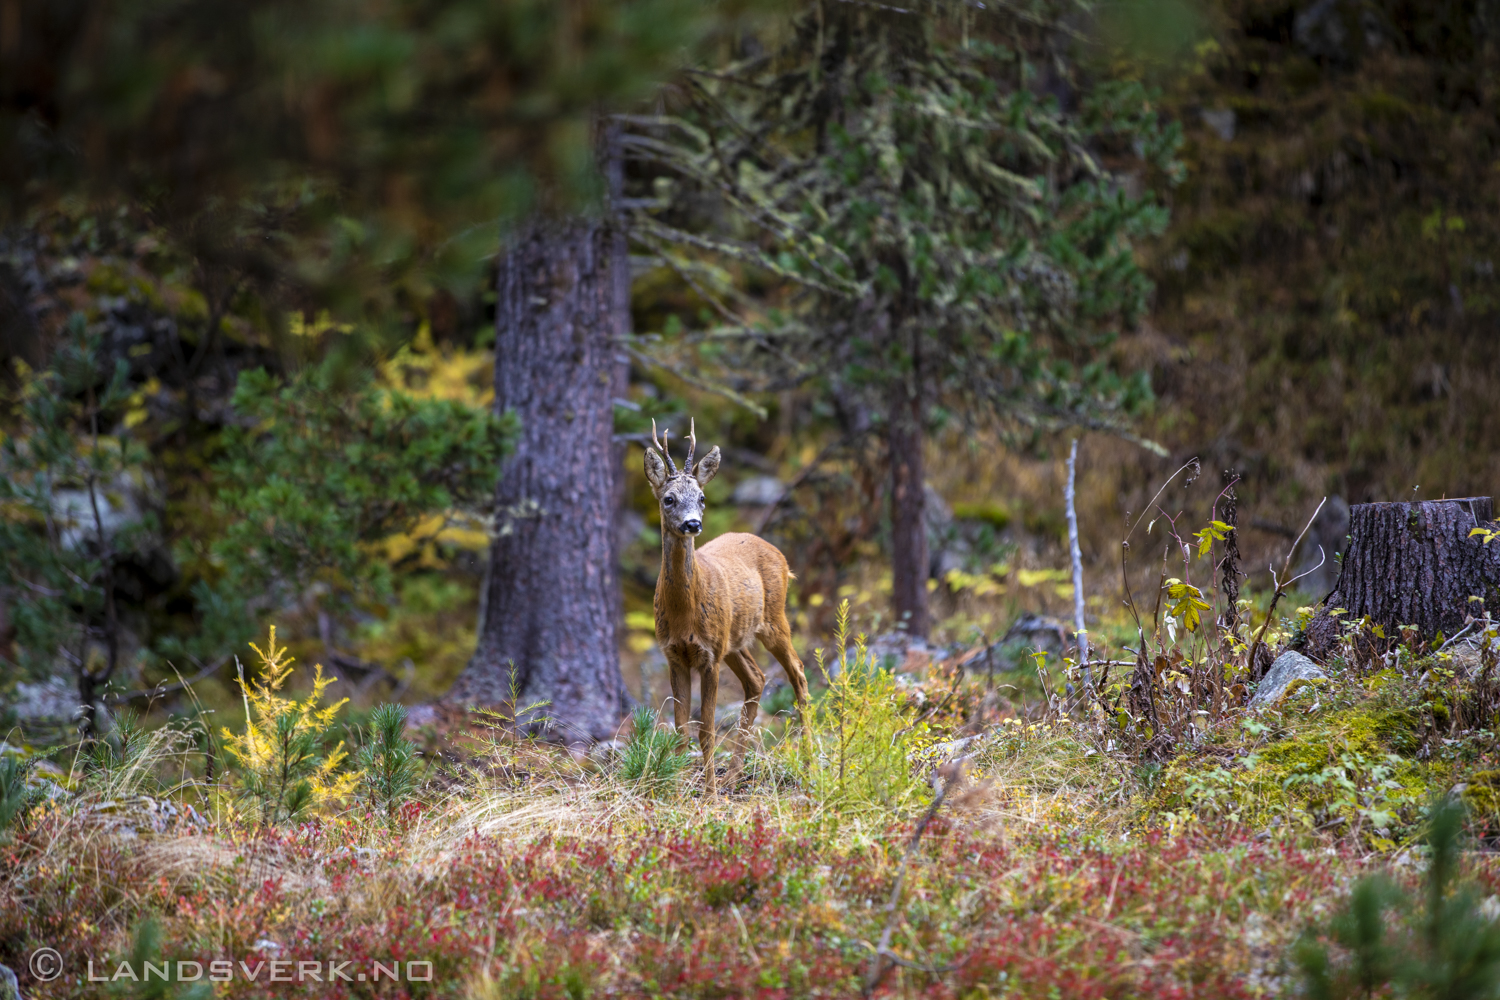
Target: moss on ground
1342, 753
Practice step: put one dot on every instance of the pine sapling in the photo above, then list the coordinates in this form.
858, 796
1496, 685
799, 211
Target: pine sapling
17, 797
654, 756
388, 763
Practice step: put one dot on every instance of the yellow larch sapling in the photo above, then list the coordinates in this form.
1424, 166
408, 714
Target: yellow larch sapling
283, 771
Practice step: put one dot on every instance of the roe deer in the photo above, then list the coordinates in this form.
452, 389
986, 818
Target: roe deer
712, 604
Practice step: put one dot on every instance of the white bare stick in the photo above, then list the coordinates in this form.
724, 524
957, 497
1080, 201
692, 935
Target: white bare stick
1078, 623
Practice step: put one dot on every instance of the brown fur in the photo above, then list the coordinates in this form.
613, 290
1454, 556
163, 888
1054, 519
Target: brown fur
712, 604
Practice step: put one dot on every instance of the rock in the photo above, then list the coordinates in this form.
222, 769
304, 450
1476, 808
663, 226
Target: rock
1339, 32
421, 715
1288, 668
757, 491
894, 651
606, 750
1013, 651
726, 717
944, 752
1221, 120
9, 988
1034, 633
54, 699
1320, 31
947, 549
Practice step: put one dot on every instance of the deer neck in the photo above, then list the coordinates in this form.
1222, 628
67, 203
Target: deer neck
679, 582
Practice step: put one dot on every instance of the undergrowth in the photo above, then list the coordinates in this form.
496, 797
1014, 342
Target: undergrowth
1078, 859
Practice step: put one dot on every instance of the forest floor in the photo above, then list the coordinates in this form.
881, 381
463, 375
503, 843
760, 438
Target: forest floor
1058, 861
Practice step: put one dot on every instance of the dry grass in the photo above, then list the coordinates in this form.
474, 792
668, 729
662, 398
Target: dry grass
1061, 868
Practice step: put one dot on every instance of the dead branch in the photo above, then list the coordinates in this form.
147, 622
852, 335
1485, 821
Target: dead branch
1281, 587
884, 960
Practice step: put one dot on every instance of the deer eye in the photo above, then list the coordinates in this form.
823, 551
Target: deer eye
669, 501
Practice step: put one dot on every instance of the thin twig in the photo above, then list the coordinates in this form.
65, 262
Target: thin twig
695, 380
166, 689
944, 778
1458, 636
1281, 587
1080, 627
801, 477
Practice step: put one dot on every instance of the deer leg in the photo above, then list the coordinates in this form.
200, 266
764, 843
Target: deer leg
753, 680
776, 636
681, 679
709, 680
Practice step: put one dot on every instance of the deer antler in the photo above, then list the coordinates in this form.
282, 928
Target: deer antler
661, 446
692, 444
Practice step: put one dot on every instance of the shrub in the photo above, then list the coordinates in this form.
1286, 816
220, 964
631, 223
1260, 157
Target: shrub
147, 948
1446, 947
123, 748
17, 798
858, 745
283, 769
654, 756
388, 764
131, 759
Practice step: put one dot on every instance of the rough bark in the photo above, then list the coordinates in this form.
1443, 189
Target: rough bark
550, 596
1411, 564
1231, 564
619, 245
909, 560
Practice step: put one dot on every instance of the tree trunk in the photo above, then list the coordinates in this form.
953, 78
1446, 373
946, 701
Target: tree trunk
1411, 564
549, 602
614, 176
909, 560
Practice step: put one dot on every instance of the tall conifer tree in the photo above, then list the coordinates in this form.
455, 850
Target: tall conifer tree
941, 191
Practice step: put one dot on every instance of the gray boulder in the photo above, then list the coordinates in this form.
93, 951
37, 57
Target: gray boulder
53, 699
757, 491
9, 988
1221, 120
1288, 668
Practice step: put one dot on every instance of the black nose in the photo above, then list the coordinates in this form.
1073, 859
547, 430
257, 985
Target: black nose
692, 526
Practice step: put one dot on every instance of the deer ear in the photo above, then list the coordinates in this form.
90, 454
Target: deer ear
656, 471
707, 467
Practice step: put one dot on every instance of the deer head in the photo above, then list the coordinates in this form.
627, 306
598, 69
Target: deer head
679, 492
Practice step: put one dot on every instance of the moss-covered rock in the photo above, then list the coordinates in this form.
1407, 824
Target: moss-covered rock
1482, 795
1353, 764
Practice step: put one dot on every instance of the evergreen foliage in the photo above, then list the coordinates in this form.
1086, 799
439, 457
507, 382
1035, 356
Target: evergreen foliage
284, 771
121, 749
388, 763
862, 743
1444, 947
1330, 265
654, 757
68, 517
146, 948
322, 472
936, 217
376, 147
17, 797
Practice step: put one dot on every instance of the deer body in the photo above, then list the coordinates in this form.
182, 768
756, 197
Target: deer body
713, 603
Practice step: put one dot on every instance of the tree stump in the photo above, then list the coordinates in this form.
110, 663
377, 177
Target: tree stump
1411, 564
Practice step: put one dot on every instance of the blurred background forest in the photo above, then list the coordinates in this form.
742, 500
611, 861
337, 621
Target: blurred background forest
256, 267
